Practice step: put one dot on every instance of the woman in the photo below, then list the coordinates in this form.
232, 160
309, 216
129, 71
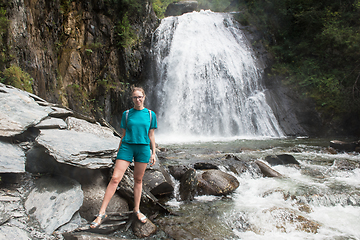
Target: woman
138, 137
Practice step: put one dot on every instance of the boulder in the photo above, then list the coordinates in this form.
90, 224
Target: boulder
266, 170
18, 111
216, 182
204, 165
343, 146
179, 8
144, 230
80, 149
53, 201
178, 171
282, 159
12, 158
156, 182
188, 185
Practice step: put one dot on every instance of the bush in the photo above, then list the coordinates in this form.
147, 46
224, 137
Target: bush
14, 76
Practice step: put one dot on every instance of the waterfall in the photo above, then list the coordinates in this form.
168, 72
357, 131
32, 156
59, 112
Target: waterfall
206, 81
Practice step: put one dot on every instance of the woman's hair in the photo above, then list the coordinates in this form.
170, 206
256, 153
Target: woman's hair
133, 89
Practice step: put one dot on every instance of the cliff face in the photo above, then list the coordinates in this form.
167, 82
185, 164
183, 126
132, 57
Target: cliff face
75, 51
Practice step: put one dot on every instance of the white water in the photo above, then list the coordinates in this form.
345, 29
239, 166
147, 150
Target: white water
207, 81
274, 208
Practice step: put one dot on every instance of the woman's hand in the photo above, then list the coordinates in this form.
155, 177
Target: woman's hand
152, 159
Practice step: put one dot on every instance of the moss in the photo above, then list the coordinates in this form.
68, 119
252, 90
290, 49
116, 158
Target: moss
16, 77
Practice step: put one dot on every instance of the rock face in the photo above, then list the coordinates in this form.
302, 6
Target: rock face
73, 52
179, 8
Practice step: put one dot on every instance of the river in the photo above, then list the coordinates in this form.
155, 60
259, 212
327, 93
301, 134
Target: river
318, 193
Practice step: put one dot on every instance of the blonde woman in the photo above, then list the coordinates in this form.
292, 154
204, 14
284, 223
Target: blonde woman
138, 126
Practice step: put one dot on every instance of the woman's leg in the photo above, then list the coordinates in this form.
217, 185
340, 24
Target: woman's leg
139, 171
119, 170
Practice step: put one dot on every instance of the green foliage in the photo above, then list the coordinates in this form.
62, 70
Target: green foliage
160, 6
4, 24
14, 76
316, 43
125, 34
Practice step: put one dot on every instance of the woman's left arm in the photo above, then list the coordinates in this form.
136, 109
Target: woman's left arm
152, 146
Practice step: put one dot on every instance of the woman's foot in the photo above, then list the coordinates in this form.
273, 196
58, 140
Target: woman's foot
141, 217
100, 218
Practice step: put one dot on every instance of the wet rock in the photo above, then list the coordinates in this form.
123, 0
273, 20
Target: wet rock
283, 217
216, 182
204, 165
12, 158
12, 232
79, 149
18, 111
266, 170
179, 8
156, 182
53, 201
178, 171
282, 159
88, 236
343, 146
52, 123
143, 230
188, 185
346, 165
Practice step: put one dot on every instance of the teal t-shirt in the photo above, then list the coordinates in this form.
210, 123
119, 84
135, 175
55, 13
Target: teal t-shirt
138, 126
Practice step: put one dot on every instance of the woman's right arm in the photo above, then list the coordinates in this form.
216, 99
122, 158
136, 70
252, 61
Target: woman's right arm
123, 132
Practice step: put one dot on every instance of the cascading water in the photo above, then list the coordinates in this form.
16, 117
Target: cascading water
207, 80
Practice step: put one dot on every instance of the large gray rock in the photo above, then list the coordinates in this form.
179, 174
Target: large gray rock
18, 111
80, 149
12, 158
53, 201
12, 232
216, 182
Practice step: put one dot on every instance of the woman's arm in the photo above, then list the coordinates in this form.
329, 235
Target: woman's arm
152, 146
123, 131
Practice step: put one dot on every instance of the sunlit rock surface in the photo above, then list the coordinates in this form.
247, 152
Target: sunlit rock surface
18, 111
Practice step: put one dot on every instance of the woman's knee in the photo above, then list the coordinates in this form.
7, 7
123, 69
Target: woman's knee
115, 180
138, 180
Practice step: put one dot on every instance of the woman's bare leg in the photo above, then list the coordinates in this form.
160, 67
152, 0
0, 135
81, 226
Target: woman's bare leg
119, 170
139, 171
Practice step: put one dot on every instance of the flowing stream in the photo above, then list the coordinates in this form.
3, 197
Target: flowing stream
207, 93
317, 200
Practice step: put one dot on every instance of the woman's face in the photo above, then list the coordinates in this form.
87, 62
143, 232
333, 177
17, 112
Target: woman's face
138, 99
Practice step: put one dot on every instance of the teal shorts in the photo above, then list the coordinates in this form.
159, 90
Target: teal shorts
138, 152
